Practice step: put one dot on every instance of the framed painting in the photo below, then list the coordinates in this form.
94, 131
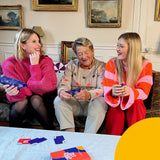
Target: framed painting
104, 13
157, 17
55, 5
11, 17
67, 53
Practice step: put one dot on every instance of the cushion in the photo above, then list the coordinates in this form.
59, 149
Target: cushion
3, 97
155, 102
59, 69
4, 112
148, 101
0, 70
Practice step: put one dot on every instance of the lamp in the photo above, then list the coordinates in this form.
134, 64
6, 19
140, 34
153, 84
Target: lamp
39, 30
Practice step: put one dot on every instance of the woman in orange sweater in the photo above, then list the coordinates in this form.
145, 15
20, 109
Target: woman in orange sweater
127, 82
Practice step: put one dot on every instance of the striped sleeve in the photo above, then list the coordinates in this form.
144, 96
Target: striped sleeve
109, 80
142, 88
140, 91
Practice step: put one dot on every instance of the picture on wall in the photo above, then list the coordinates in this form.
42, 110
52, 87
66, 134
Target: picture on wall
11, 17
157, 17
55, 5
104, 13
67, 53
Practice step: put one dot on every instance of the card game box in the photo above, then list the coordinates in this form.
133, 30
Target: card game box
75, 153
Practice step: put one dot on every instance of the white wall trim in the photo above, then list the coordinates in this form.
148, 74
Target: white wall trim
103, 53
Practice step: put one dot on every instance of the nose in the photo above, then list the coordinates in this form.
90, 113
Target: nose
83, 55
117, 48
39, 44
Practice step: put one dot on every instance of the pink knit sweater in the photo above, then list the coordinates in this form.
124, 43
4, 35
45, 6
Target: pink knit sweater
40, 78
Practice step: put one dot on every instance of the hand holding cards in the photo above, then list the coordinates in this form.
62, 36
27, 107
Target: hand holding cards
74, 91
17, 83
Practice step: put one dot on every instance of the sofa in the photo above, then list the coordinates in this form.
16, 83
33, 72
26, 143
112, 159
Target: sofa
152, 103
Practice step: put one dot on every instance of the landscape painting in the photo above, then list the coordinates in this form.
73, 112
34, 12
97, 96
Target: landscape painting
55, 1
10, 17
104, 13
55, 5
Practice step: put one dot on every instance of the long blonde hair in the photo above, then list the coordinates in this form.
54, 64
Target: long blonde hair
134, 59
21, 37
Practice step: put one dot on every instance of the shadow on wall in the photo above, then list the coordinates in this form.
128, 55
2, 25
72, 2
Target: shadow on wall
48, 35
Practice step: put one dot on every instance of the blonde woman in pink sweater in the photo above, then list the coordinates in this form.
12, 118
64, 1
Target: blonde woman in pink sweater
30, 65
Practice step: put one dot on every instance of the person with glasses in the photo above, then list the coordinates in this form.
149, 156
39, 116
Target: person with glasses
85, 73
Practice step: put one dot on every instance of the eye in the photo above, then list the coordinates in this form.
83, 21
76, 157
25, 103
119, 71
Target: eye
118, 46
86, 52
79, 54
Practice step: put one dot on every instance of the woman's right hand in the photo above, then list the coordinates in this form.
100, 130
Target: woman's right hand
117, 90
34, 58
11, 90
64, 95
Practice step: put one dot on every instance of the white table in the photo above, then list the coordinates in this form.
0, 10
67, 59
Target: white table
98, 146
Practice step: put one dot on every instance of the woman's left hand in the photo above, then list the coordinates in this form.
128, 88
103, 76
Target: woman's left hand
126, 91
11, 90
34, 58
82, 96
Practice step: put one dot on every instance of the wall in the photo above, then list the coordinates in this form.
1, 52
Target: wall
137, 15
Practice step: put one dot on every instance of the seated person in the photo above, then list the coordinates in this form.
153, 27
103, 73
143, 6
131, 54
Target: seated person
30, 65
86, 73
127, 83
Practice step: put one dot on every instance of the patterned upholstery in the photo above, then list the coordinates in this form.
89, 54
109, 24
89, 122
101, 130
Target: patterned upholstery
152, 103
4, 112
0, 70
154, 110
4, 103
59, 69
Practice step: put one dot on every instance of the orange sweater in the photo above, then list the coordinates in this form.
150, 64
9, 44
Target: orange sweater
140, 91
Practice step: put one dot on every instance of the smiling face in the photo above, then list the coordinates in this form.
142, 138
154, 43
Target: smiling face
85, 55
122, 50
32, 45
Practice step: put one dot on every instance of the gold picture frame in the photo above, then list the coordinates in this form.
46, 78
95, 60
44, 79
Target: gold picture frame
11, 17
67, 53
104, 14
157, 17
44, 5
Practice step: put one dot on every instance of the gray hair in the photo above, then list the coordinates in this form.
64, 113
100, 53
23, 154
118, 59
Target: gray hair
82, 42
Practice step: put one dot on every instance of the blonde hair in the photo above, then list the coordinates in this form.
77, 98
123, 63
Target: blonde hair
134, 59
21, 37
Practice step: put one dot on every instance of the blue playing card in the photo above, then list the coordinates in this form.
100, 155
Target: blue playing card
37, 140
74, 91
59, 139
17, 83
